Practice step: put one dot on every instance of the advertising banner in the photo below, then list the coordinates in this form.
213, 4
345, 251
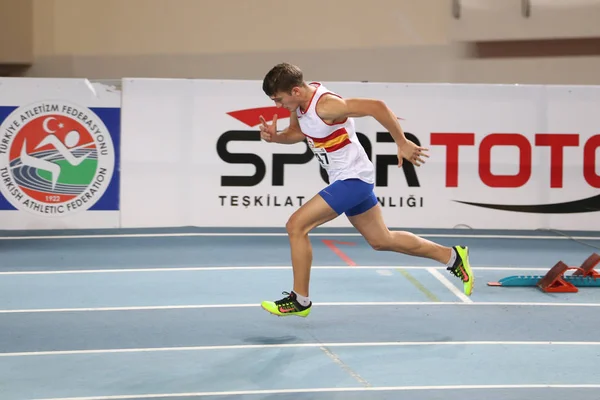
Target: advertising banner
59, 154
501, 156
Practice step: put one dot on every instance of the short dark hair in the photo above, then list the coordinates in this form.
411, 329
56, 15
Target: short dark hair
282, 78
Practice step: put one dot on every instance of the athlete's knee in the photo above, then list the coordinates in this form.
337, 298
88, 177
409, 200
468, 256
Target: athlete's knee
380, 242
379, 245
295, 227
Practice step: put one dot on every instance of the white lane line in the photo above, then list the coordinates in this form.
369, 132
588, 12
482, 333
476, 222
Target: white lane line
132, 308
463, 297
277, 234
297, 345
324, 304
256, 268
336, 389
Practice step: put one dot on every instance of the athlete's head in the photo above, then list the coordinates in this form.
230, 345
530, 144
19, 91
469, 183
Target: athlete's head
285, 85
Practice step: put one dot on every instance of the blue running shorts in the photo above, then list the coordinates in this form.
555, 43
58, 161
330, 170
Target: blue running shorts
350, 196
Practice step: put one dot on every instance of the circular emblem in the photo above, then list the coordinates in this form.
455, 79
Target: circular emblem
56, 158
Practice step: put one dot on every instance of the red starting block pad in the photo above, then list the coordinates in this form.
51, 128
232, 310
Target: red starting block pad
555, 281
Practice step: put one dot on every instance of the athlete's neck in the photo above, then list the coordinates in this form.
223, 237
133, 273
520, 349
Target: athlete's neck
307, 95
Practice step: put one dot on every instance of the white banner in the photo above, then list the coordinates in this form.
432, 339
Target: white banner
501, 157
59, 164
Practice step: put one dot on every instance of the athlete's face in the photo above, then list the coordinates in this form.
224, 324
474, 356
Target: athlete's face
289, 101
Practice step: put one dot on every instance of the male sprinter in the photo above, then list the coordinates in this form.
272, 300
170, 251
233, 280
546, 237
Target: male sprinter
324, 119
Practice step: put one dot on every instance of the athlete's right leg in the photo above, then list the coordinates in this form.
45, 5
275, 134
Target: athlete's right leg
368, 220
371, 226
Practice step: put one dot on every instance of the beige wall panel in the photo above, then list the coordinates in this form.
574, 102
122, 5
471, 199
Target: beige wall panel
549, 70
142, 27
422, 64
427, 64
43, 28
52, 67
482, 20
16, 31
344, 40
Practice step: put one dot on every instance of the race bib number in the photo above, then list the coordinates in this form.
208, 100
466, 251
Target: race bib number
322, 156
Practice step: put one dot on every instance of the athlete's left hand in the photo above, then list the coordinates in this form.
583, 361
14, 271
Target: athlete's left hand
411, 152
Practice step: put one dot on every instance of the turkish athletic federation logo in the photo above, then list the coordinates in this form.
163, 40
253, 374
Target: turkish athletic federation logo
56, 158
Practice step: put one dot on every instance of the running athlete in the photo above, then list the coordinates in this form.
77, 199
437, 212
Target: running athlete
325, 121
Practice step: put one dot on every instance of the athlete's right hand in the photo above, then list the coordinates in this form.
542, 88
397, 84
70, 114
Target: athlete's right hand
268, 133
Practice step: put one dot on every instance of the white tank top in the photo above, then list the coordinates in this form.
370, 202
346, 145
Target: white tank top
336, 146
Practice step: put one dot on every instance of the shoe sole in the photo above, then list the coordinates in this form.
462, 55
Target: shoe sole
469, 271
285, 315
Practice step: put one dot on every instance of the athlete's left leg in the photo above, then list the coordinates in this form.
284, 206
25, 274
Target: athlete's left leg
312, 214
368, 220
330, 202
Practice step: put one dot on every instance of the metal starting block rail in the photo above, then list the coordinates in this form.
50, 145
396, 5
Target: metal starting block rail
555, 281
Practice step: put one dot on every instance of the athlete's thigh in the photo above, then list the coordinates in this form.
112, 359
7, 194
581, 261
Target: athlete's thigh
335, 199
313, 213
371, 225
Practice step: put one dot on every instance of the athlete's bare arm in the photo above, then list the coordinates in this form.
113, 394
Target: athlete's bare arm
333, 109
292, 134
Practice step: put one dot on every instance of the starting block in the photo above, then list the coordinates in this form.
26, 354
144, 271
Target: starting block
555, 281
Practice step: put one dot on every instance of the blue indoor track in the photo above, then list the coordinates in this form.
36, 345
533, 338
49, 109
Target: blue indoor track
162, 314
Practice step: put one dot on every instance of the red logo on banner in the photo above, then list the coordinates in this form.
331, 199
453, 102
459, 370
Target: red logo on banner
251, 116
557, 142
